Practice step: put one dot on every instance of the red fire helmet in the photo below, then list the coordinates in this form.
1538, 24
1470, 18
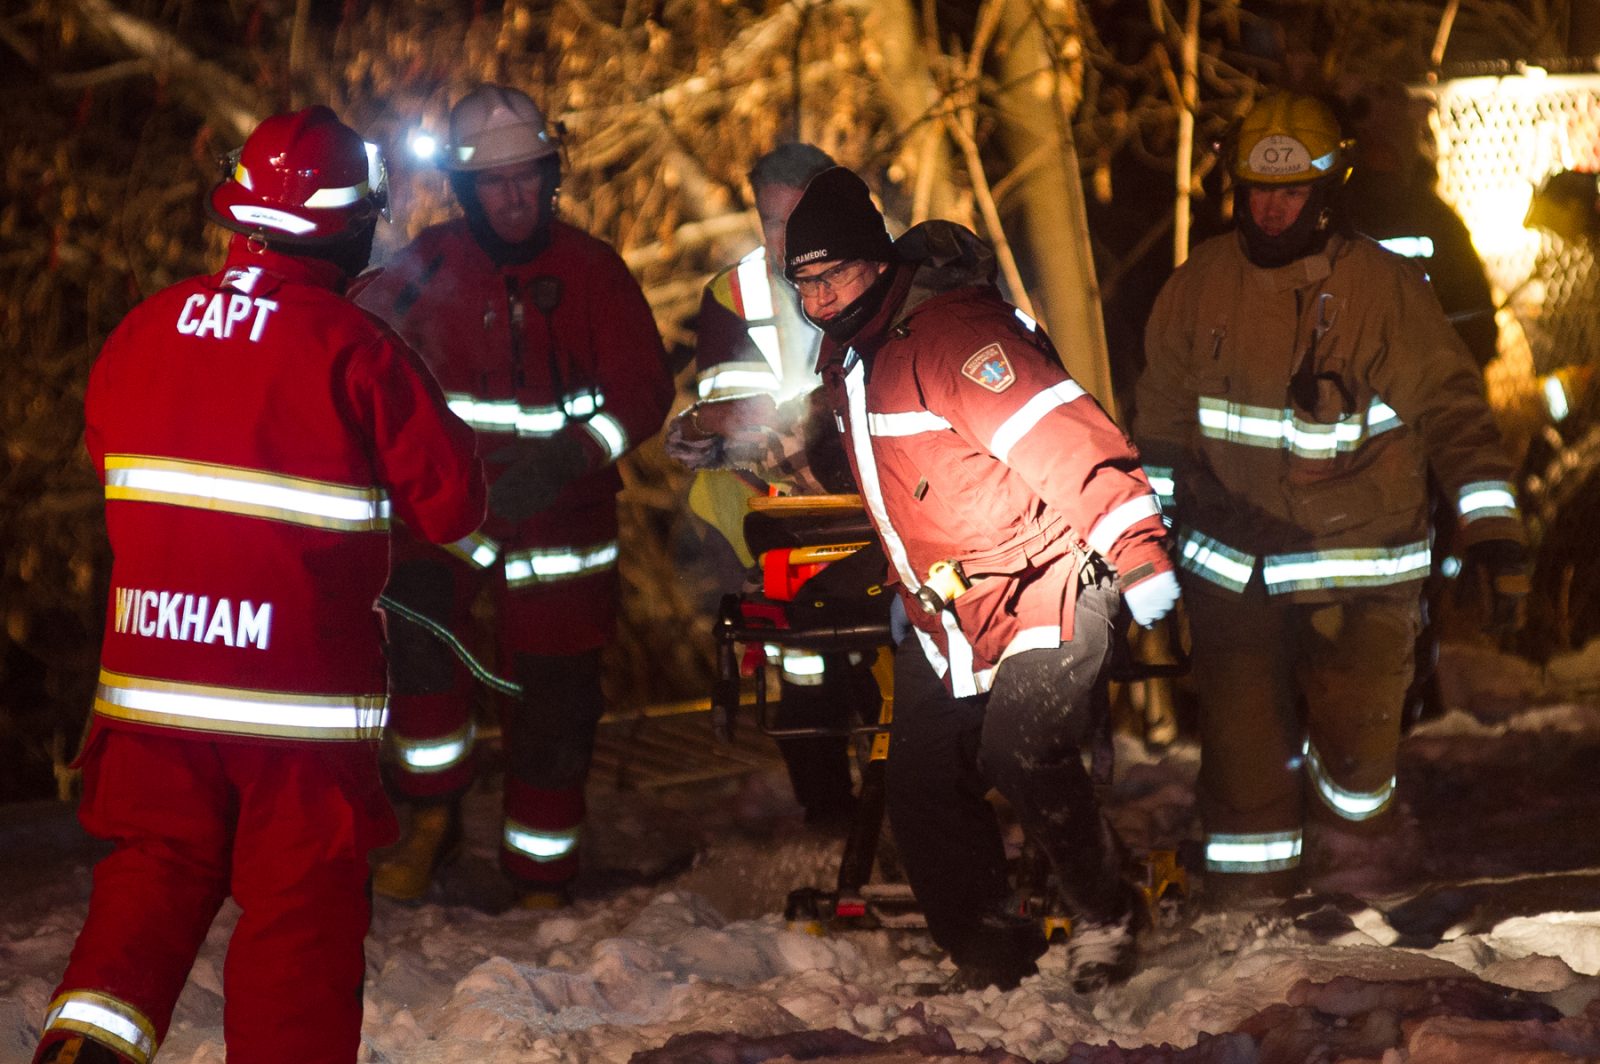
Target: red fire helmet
304, 178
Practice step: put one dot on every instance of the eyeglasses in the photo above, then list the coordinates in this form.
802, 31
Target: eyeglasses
829, 280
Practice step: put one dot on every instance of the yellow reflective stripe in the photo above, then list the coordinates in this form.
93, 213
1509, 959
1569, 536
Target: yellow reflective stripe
1351, 805
507, 415
1260, 426
540, 845
112, 1022
610, 434
1215, 560
1346, 567
476, 549
424, 756
1163, 483
802, 668
1110, 528
1253, 852
736, 378
247, 492
1019, 424
239, 711
337, 197
1487, 498
543, 565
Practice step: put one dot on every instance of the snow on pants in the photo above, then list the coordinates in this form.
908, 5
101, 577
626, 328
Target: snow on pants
286, 829
1300, 714
1025, 738
548, 640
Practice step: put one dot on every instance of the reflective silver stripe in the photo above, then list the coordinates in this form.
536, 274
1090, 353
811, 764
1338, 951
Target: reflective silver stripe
246, 492
1351, 805
506, 415
546, 565
755, 294
1027, 322
336, 197
767, 341
239, 711
610, 434
426, 756
476, 549
731, 378
906, 423
108, 1020
1259, 426
1162, 483
1261, 851
1411, 247
1216, 561
1346, 567
802, 668
541, 846
583, 404
867, 470
1110, 528
1487, 498
1041, 637
1019, 424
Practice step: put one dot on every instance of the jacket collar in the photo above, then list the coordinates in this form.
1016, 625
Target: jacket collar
296, 269
1302, 272
940, 261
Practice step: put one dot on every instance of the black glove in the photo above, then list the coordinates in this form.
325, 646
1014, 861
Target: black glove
1500, 568
540, 468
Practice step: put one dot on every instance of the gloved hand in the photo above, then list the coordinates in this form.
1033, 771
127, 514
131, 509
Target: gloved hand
691, 449
1152, 598
540, 468
1500, 567
899, 623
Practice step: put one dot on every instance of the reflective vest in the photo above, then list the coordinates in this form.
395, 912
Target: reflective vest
751, 336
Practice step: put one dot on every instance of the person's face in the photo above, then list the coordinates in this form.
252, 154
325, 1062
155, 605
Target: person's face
1274, 208
513, 199
774, 203
826, 288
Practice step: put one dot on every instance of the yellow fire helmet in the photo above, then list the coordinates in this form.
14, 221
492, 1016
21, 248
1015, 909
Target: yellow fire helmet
1289, 139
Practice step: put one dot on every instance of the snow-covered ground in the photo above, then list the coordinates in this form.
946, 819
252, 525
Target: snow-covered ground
1491, 955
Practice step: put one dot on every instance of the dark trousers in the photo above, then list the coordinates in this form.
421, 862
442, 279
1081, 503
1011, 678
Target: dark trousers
1025, 738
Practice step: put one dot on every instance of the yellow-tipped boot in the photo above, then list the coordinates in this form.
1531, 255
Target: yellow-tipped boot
432, 839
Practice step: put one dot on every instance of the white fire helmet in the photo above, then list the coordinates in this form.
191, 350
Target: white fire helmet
494, 125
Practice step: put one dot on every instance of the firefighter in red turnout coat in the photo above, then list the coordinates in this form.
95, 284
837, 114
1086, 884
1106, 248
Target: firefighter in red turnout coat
1013, 512
544, 343
256, 434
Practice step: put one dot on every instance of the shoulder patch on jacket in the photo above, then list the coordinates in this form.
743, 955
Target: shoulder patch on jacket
990, 368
